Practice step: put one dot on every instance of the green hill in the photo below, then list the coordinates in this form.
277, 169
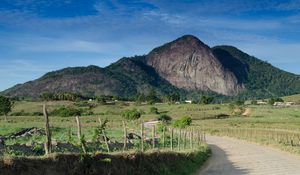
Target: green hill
132, 75
260, 78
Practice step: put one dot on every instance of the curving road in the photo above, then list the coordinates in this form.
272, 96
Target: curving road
236, 157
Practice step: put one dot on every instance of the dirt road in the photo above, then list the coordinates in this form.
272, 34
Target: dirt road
235, 157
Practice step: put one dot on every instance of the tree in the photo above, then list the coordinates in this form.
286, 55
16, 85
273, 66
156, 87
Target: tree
101, 100
273, 100
5, 106
151, 97
164, 118
182, 122
140, 97
133, 114
47, 96
154, 110
206, 100
175, 96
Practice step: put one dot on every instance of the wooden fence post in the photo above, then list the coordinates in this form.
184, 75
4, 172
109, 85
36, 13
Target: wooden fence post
191, 144
198, 137
171, 140
125, 136
142, 137
104, 135
47, 131
163, 136
78, 128
79, 134
153, 136
193, 138
184, 140
179, 138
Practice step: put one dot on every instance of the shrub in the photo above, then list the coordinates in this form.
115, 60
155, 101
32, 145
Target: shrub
66, 112
20, 113
154, 110
102, 100
132, 114
164, 118
182, 122
206, 100
160, 127
221, 116
254, 102
273, 100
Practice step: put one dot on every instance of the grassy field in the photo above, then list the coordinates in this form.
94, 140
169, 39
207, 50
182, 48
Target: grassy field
292, 98
277, 126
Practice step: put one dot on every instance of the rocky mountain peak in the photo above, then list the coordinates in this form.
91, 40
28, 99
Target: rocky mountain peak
190, 64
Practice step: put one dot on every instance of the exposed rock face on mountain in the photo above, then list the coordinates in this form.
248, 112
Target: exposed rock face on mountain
184, 65
190, 64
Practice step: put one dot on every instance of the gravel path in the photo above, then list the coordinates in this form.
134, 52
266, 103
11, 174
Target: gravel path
236, 157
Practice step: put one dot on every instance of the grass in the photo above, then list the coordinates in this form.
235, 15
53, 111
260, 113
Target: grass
267, 118
167, 163
292, 98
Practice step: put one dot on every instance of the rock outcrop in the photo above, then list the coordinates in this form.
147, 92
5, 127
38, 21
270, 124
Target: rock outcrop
190, 64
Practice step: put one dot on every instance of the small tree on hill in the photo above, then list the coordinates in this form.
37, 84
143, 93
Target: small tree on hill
152, 96
133, 114
206, 100
182, 122
273, 100
47, 96
165, 119
174, 97
5, 106
154, 110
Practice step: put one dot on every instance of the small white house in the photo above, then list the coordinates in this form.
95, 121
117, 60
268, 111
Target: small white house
279, 104
188, 101
289, 103
262, 103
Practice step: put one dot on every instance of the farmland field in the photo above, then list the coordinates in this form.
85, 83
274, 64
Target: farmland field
277, 126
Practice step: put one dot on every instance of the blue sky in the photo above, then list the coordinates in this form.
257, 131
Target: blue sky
37, 36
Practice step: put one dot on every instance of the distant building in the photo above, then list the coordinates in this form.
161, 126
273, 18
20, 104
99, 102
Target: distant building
188, 101
261, 102
284, 103
279, 104
289, 103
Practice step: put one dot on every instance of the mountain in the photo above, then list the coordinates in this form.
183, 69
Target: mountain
190, 64
126, 77
185, 65
260, 78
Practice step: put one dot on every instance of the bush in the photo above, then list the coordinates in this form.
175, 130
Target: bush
20, 113
206, 100
66, 112
160, 127
183, 122
254, 102
164, 118
154, 110
37, 114
273, 100
132, 114
23, 113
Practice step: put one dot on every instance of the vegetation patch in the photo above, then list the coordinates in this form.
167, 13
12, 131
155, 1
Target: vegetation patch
132, 114
66, 112
152, 163
182, 122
